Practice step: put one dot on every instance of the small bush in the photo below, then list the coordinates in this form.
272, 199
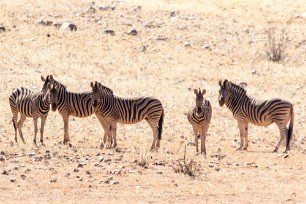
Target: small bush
183, 166
277, 44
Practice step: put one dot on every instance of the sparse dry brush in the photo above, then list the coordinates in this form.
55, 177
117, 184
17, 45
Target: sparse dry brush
277, 43
185, 166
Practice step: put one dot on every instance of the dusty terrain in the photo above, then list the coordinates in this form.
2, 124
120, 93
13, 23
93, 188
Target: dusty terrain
180, 45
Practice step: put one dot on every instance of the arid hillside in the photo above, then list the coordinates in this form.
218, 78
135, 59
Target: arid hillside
164, 49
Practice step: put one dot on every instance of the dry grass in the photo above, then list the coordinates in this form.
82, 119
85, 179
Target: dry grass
189, 44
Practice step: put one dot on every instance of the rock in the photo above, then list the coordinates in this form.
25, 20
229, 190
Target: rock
109, 31
53, 179
132, 32
68, 26
23, 177
114, 182
12, 179
2, 29
57, 25
81, 165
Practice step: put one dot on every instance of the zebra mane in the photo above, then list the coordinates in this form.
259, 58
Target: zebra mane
104, 89
238, 89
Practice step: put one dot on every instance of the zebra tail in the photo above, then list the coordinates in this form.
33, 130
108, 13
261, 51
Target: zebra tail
290, 130
160, 125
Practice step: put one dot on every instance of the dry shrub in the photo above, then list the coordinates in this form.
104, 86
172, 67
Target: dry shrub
186, 167
277, 44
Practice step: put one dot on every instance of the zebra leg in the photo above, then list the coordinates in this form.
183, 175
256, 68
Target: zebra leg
241, 126
153, 126
246, 139
106, 128
203, 140
113, 136
19, 125
66, 131
35, 129
196, 138
14, 119
42, 127
283, 132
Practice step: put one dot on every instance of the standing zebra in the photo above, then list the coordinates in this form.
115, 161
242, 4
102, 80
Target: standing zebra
115, 110
199, 117
69, 103
29, 104
246, 110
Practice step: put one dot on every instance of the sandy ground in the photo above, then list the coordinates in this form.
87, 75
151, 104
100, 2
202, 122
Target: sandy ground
180, 45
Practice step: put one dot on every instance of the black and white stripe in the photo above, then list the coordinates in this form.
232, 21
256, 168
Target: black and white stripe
32, 105
199, 117
246, 110
113, 109
68, 103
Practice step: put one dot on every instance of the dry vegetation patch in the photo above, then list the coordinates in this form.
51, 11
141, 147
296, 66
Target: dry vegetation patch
179, 45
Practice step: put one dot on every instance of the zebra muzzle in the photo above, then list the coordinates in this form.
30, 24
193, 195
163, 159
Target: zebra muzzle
54, 107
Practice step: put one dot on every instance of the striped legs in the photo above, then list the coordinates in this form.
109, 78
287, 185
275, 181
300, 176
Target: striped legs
66, 130
156, 140
283, 133
42, 126
19, 126
200, 133
243, 129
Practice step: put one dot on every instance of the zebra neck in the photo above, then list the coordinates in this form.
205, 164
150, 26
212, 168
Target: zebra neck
236, 101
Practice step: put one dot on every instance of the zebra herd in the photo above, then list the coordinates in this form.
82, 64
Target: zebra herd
111, 109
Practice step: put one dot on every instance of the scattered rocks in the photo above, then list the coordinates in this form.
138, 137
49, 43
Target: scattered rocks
43, 22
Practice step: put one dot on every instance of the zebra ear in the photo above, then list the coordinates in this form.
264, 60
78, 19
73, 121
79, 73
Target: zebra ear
203, 91
225, 83
42, 78
195, 91
51, 77
220, 82
91, 84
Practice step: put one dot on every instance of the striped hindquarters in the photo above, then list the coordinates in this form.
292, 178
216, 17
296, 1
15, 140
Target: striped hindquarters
28, 103
135, 110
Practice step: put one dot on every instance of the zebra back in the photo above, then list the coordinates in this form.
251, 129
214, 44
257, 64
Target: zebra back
125, 110
70, 103
28, 103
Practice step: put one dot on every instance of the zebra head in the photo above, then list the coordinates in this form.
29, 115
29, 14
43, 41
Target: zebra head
53, 95
47, 80
199, 99
95, 96
223, 92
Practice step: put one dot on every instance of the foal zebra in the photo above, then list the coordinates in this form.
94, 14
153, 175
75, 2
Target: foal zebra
68, 103
199, 117
246, 110
29, 104
114, 109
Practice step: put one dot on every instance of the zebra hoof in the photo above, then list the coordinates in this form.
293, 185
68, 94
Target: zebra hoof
245, 149
274, 151
239, 149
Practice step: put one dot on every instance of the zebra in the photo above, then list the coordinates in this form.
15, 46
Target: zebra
29, 104
69, 104
246, 110
114, 109
199, 117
